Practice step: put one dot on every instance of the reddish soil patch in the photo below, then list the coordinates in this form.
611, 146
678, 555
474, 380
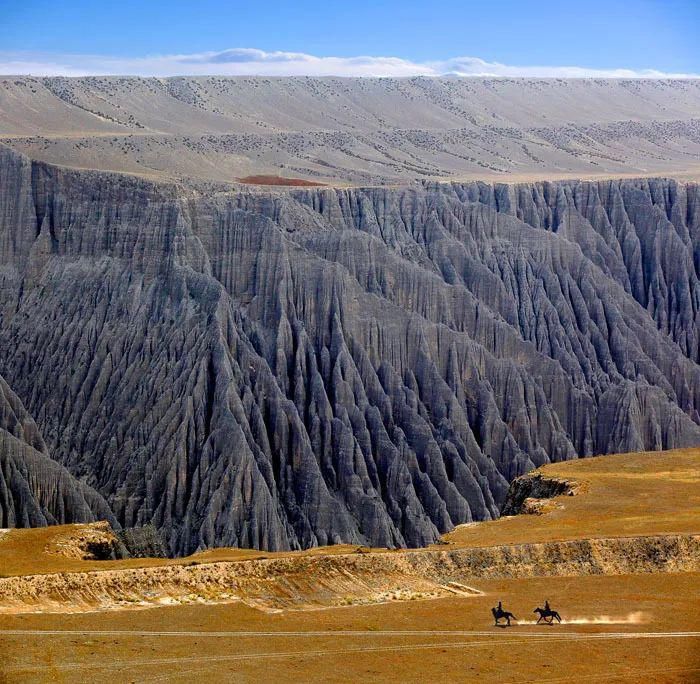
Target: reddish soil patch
277, 180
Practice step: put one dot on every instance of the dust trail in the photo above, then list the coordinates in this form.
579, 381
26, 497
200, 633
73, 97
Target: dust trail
638, 617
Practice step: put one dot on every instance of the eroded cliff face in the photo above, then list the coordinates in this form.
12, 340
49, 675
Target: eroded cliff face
34, 489
281, 370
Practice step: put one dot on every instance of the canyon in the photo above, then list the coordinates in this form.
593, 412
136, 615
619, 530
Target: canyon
293, 312
288, 368
311, 370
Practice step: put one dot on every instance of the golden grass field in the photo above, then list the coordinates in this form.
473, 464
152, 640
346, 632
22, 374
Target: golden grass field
641, 627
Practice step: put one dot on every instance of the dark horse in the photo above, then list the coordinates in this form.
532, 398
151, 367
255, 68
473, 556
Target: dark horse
500, 614
549, 616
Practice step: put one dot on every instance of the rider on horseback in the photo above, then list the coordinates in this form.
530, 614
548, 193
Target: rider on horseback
547, 614
500, 614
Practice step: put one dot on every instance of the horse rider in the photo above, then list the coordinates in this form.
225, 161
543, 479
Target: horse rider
546, 605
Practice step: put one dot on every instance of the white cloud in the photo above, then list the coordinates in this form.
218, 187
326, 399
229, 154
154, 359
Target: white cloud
249, 62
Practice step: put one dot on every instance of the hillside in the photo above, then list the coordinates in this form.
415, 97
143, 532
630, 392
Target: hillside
634, 497
357, 131
34, 489
292, 368
623, 571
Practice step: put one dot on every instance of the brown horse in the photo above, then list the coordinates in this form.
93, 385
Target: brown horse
549, 616
500, 614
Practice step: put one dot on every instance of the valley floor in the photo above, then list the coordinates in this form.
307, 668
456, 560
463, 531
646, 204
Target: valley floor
618, 626
653, 635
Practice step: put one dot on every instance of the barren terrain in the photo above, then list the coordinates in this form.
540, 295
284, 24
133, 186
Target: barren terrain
357, 131
282, 368
208, 332
617, 553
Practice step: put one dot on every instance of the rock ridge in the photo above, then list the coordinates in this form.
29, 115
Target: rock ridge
304, 583
288, 369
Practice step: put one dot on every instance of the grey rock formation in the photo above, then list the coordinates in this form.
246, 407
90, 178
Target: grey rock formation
35, 490
285, 369
142, 542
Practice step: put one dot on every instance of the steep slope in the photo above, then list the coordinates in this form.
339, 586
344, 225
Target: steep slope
356, 130
34, 490
288, 369
600, 530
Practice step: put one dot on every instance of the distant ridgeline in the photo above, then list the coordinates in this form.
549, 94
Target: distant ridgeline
356, 130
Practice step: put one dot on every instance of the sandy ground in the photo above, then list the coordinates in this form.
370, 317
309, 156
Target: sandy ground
357, 131
621, 495
616, 627
648, 629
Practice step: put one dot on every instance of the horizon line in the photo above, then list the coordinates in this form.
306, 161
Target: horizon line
252, 62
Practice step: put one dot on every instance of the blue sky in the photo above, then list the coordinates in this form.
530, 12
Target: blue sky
162, 37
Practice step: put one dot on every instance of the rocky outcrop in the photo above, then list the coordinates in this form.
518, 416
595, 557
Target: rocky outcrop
94, 541
311, 582
527, 493
287, 369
